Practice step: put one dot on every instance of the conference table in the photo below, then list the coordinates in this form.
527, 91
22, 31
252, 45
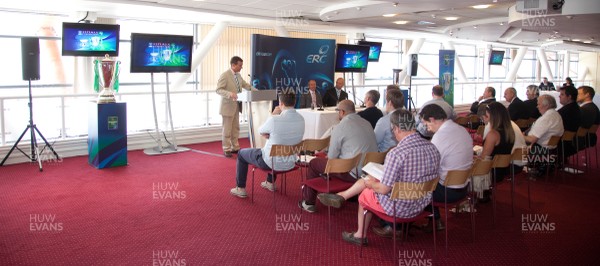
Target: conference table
317, 123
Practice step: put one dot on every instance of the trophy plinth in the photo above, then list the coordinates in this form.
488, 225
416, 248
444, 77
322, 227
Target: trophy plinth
107, 79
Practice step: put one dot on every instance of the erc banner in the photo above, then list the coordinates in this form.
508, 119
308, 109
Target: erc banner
287, 64
446, 78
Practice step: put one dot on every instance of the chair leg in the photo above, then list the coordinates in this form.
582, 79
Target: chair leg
512, 188
494, 199
364, 231
446, 219
252, 185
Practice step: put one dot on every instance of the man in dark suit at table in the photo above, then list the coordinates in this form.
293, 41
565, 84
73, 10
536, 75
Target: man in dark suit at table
489, 96
230, 83
546, 85
516, 107
335, 95
571, 116
312, 98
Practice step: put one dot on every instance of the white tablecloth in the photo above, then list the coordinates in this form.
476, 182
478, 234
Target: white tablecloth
316, 123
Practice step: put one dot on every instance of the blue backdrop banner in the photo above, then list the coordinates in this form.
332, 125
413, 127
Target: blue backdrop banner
446, 78
287, 64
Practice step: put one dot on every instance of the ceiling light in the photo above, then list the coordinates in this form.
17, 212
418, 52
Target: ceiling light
395, 4
501, 23
389, 15
569, 17
475, 27
432, 15
481, 6
587, 42
576, 40
400, 22
451, 18
358, 8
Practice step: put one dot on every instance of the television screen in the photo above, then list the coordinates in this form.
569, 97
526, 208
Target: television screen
90, 39
374, 51
351, 58
496, 57
156, 53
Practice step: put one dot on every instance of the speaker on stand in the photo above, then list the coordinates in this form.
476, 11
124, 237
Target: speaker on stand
414, 66
30, 57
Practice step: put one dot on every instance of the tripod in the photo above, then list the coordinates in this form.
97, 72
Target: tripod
411, 103
35, 152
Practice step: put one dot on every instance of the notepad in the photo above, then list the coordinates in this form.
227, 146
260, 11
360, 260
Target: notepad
374, 169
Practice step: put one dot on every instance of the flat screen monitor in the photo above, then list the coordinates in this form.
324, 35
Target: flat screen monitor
496, 57
351, 58
160, 53
90, 39
374, 50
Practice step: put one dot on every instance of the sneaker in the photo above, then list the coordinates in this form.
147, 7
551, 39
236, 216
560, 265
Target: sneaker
268, 185
307, 207
330, 199
239, 192
227, 154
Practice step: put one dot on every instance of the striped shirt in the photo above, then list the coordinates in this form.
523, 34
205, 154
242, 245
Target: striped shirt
414, 160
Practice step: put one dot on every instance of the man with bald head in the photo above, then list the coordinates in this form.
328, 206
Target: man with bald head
353, 135
335, 95
516, 107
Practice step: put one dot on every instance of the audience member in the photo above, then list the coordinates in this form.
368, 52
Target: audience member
548, 125
414, 160
516, 107
311, 99
437, 93
353, 135
568, 82
384, 137
571, 117
372, 113
489, 96
286, 128
546, 85
590, 115
456, 150
531, 109
335, 95
499, 140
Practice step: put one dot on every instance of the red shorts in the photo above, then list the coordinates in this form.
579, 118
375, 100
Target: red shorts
368, 198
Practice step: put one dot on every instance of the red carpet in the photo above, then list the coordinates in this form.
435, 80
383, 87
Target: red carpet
176, 210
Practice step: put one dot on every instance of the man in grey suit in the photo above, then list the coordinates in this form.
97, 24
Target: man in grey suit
229, 85
312, 98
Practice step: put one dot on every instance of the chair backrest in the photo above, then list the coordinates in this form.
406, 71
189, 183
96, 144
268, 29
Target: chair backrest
462, 120
375, 157
501, 160
316, 144
413, 191
480, 130
519, 154
278, 150
342, 165
481, 167
457, 177
567, 136
554, 140
522, 123
582, 132
593, 129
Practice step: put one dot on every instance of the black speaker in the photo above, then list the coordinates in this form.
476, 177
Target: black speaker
414, 64
30, 57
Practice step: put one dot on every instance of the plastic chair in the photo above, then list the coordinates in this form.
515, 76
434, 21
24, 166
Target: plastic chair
523, 124
454, 178
499, 161
404, 191
480, 167
333, 185
567, 136
311, 145
375, 157
463, 121
278, 151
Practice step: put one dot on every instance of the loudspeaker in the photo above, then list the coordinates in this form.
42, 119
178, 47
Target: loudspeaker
30, 57
414, 64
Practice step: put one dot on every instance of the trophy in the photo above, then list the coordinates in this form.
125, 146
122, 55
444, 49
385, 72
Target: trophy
109, 79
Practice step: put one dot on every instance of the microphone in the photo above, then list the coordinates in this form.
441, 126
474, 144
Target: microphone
362, 103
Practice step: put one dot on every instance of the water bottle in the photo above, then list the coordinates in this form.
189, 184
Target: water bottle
312, 106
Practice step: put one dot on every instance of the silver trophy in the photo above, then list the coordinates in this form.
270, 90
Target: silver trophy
108, 76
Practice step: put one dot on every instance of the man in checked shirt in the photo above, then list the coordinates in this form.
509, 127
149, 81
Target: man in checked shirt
413, 160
